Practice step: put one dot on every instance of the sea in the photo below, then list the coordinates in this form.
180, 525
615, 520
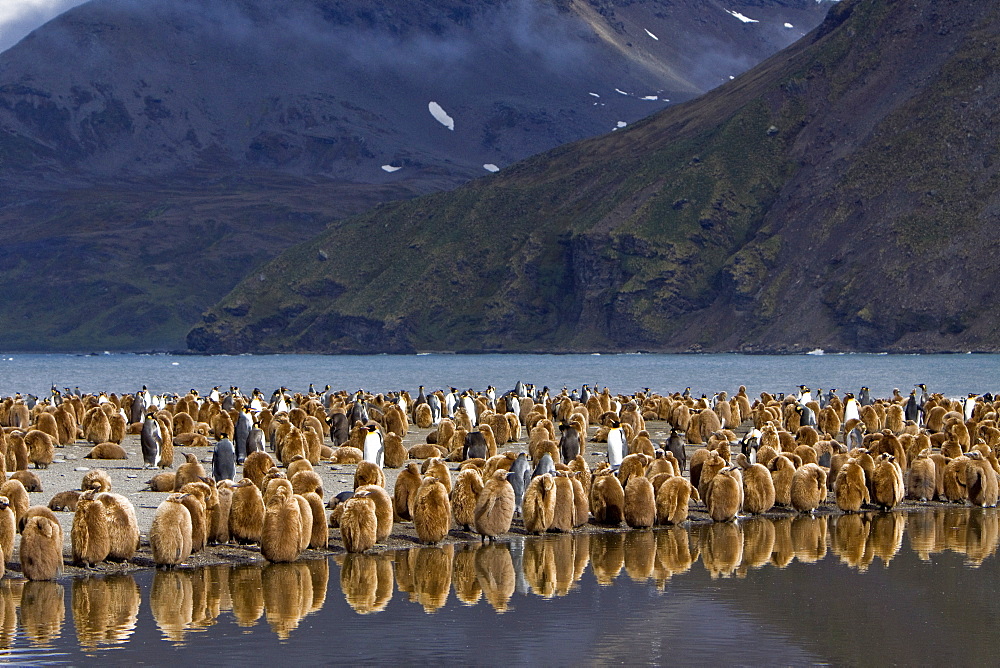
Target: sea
952, 375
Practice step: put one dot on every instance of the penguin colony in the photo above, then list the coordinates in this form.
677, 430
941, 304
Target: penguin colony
491, 464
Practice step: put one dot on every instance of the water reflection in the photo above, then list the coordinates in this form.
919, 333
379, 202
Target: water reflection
43, 609
106, 610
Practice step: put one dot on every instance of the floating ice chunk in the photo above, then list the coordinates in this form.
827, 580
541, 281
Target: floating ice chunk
651, 98
441, 116
622, 124
490, 167
620, 91
593, 94
741, 17
652, 35
391, 168
789, 25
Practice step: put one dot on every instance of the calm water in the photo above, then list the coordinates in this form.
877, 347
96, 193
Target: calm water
953, 375
872, 589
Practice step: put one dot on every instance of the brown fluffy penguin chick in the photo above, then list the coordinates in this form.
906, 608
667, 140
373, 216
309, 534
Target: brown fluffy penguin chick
307, 481
436, 467
955, 486
36, 511
889, 488
190, 471
368, 473
123, 528
495, 507
195, 503
431, 511
981, 481
218, 532
404, 492
298, 463
41, 549
634, 464
319, 532
8, 529
395, 452
758, 486
28, 479
256, 466
850, 489
246, 514
782, 470
96, 479
724, 494
162, 482
383, 510
65, 501
282, 532
712, 465
170, 533
106, 451
17, 452
41, 448
539, 504
305, 521
640, 503
358, 524
89, 535
17, 497
564, 515
808, 487
672, 500
921, 480
607, 498
464, 495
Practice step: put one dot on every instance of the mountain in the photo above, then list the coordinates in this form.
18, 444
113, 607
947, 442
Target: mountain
155, 152
840, 195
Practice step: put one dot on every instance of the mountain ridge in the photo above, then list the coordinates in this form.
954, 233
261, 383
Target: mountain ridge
796, 207
176, 152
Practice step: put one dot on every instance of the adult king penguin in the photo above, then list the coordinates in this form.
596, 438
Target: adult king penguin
224, 459
617, 447
243, 427
374, 448
151, 440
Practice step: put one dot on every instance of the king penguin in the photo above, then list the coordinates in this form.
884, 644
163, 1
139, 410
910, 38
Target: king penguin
374, 449
865, 397
617, 447
851, 409
242, 428
150, 439
224, 459
434, 401
139, 406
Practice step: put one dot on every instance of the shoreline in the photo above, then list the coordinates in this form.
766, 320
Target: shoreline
127, 479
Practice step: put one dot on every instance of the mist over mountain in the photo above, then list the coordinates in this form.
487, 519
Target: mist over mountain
155, 152
840, 195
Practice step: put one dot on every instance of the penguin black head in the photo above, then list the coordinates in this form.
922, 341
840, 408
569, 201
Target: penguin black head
372, 428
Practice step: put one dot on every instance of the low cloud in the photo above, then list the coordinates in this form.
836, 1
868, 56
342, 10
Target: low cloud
20, 17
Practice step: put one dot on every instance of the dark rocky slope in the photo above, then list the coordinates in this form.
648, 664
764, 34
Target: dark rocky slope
842, 194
